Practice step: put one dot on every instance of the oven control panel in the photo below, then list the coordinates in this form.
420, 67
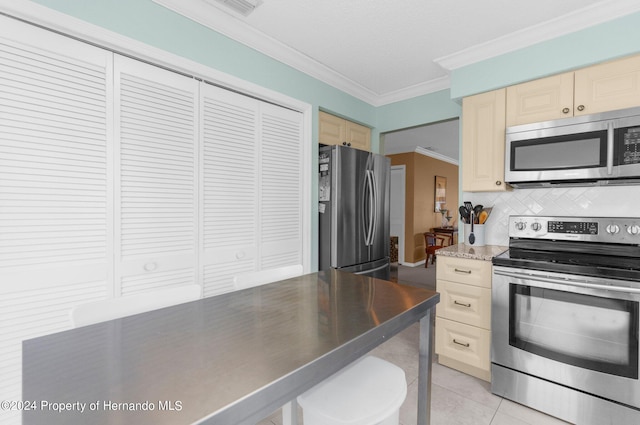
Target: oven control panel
573, 227
591, 229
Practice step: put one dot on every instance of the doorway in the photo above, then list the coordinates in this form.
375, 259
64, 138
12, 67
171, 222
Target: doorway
397, 201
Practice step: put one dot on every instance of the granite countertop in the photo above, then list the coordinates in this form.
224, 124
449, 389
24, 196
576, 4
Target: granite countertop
461, 250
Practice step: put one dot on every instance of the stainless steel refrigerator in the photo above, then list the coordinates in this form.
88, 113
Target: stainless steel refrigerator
354, 211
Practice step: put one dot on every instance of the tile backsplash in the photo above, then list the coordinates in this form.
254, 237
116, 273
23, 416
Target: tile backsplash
616, 201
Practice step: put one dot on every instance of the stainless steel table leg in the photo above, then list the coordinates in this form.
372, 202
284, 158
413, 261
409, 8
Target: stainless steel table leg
290, 413
424, 367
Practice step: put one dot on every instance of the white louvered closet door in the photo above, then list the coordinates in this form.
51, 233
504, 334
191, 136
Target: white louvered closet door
55, 179
230, 170
281, 192
156, 177
251, 187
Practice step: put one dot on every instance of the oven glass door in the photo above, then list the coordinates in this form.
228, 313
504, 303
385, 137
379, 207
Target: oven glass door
586, 331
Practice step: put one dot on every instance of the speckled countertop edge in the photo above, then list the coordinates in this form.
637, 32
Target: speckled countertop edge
485, 253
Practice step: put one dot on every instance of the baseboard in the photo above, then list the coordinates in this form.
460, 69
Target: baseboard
419, 263
465, 368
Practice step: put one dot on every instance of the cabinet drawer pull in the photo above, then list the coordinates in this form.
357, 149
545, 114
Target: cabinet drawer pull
462, 271
462, 304
464, 344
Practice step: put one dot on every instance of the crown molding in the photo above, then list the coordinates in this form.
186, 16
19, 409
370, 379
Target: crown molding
435, 155
236, 29
427, 87
562, 25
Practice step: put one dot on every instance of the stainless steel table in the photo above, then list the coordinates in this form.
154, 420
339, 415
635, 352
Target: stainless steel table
231, 359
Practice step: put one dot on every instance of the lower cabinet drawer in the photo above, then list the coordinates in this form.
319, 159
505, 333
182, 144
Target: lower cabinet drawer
467, 344
464, 270
464, 303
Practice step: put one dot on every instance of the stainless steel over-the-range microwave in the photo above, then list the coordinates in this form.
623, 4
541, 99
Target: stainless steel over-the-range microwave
596, 149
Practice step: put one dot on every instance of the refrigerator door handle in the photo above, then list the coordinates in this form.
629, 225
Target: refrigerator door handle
370, 222
374, 207
365, 223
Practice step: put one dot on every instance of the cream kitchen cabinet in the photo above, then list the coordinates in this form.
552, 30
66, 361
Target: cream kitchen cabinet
483, 129
338, 131
607, 86
599, 88
540, 100
463, 316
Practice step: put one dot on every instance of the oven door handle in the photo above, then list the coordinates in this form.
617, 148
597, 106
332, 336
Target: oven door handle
568, 281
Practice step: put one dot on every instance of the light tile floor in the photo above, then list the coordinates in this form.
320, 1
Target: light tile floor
457, 398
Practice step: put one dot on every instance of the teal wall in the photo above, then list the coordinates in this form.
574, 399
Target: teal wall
157, 26
429, 108
147, 22
603, 42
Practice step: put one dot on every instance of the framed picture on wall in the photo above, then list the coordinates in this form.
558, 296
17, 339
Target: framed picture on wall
440, 193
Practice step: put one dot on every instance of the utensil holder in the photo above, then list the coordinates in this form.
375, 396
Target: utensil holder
478, 235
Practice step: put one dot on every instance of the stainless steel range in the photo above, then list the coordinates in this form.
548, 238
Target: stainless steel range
565, 318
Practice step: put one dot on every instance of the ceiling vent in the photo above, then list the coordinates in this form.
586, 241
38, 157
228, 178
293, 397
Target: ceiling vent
243, 7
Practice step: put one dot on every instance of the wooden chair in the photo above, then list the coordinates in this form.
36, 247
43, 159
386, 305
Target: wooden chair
432, 243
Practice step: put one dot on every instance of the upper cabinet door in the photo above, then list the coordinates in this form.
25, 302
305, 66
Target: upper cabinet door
483, 140
608, 86
338, 131
540, 100
156, 183
332, 130
358, 136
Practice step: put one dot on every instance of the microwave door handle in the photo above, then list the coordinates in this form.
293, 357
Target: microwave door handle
610, 148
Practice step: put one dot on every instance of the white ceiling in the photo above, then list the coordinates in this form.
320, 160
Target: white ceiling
383, 51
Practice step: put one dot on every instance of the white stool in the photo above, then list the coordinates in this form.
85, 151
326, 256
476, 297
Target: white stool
369, 391
262, 277
115, 308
